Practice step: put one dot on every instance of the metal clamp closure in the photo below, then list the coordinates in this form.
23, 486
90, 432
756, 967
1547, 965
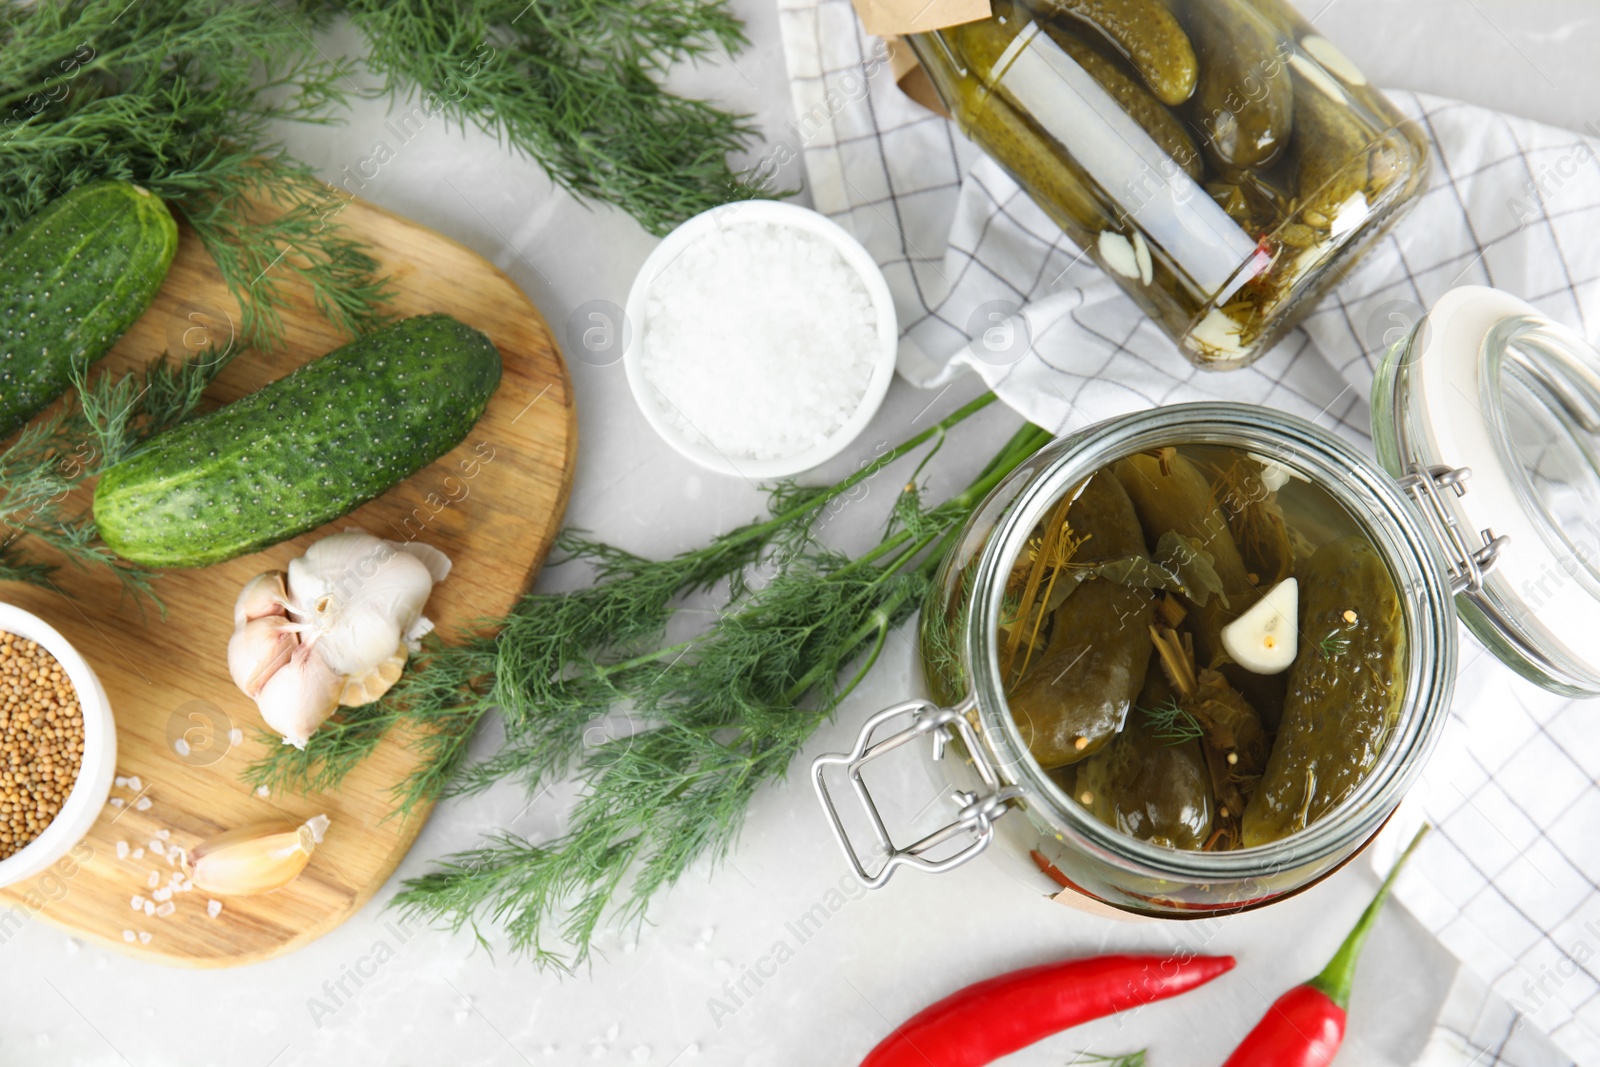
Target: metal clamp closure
975, 819
1467, 565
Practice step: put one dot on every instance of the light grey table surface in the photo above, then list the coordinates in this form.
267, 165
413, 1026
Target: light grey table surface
878, 958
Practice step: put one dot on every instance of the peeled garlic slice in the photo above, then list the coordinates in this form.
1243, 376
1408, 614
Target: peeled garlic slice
1265, 639
254, 859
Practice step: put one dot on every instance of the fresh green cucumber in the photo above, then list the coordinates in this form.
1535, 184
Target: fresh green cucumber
72, 279
304, 450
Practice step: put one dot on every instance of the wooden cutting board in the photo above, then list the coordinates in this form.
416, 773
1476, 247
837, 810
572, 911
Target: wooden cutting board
492, 505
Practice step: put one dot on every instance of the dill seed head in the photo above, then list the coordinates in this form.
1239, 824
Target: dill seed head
41, 740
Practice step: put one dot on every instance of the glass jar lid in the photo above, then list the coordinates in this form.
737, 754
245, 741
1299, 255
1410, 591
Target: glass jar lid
1489, 414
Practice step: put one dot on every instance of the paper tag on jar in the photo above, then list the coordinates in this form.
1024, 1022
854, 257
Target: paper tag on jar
893, 18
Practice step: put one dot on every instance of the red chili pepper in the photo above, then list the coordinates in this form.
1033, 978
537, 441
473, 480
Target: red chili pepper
1305, 1026
994, 1018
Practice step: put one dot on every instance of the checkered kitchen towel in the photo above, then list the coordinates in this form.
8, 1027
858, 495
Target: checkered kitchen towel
1511, 882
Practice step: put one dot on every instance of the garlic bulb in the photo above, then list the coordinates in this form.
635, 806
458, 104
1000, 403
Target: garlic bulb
254, 859
335, 629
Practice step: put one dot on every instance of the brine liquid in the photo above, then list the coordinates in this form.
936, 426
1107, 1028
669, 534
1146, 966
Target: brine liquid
1115, 642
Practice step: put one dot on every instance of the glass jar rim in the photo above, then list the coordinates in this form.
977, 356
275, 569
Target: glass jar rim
1397, 531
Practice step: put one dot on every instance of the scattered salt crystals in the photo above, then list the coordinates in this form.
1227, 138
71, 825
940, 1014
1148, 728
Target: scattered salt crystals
154, 879
640, 1054
142, 804
707, 934
74, 946
149, 907
165, 835
137, 854
137, 903
235, 736
462, 1016
117, 802
598, 1052
122, 850
166, 909
213, 908
156, 846
613, 1031
180, 746
173, 855
101, 963
122, 781
722, 967
263, 791
691, 1049
163, 894
550, 1050
144, 937
128, 935
759, 340
134, 783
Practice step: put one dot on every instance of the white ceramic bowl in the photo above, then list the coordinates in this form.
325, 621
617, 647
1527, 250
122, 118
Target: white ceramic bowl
777, 214
99, 764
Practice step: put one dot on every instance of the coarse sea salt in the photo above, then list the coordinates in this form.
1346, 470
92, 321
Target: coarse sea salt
758, 340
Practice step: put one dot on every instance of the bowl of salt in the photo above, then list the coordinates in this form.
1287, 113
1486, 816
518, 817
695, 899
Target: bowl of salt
763, 339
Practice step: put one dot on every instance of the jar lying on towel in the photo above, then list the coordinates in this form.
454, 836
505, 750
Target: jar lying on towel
1219, 158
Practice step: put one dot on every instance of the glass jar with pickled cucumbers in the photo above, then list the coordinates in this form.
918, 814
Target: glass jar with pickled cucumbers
1219, 158
1188, 661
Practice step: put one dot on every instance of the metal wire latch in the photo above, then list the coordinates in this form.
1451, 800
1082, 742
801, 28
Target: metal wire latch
1467, 565
975, 818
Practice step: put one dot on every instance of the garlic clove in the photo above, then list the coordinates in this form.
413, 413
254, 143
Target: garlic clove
365, 688
1265, 639
263, 595
300, 696
257, 649
254, 859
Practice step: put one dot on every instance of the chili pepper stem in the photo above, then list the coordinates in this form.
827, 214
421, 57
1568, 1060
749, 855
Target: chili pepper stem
1338, 976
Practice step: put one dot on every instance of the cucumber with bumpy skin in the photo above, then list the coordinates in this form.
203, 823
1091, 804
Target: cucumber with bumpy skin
304, 450
72, 280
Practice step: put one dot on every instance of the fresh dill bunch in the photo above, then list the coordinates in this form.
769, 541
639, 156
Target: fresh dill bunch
709, 720
1173, 724
179, 96
573, 84
104, 418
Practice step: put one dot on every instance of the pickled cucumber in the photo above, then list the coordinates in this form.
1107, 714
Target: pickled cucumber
1245, 99
993, 121
1076, 695
1335, 155
1146, 34
1344, 693
1148, 785
1170, 493
1164, 129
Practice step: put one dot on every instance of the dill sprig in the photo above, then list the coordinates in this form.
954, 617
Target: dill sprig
1333, 644
103, 420
180, 96
1126, 1059
573, 85
707, 721
1173, 724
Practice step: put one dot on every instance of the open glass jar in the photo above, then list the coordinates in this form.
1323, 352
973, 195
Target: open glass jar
1530, 428
1218, 158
